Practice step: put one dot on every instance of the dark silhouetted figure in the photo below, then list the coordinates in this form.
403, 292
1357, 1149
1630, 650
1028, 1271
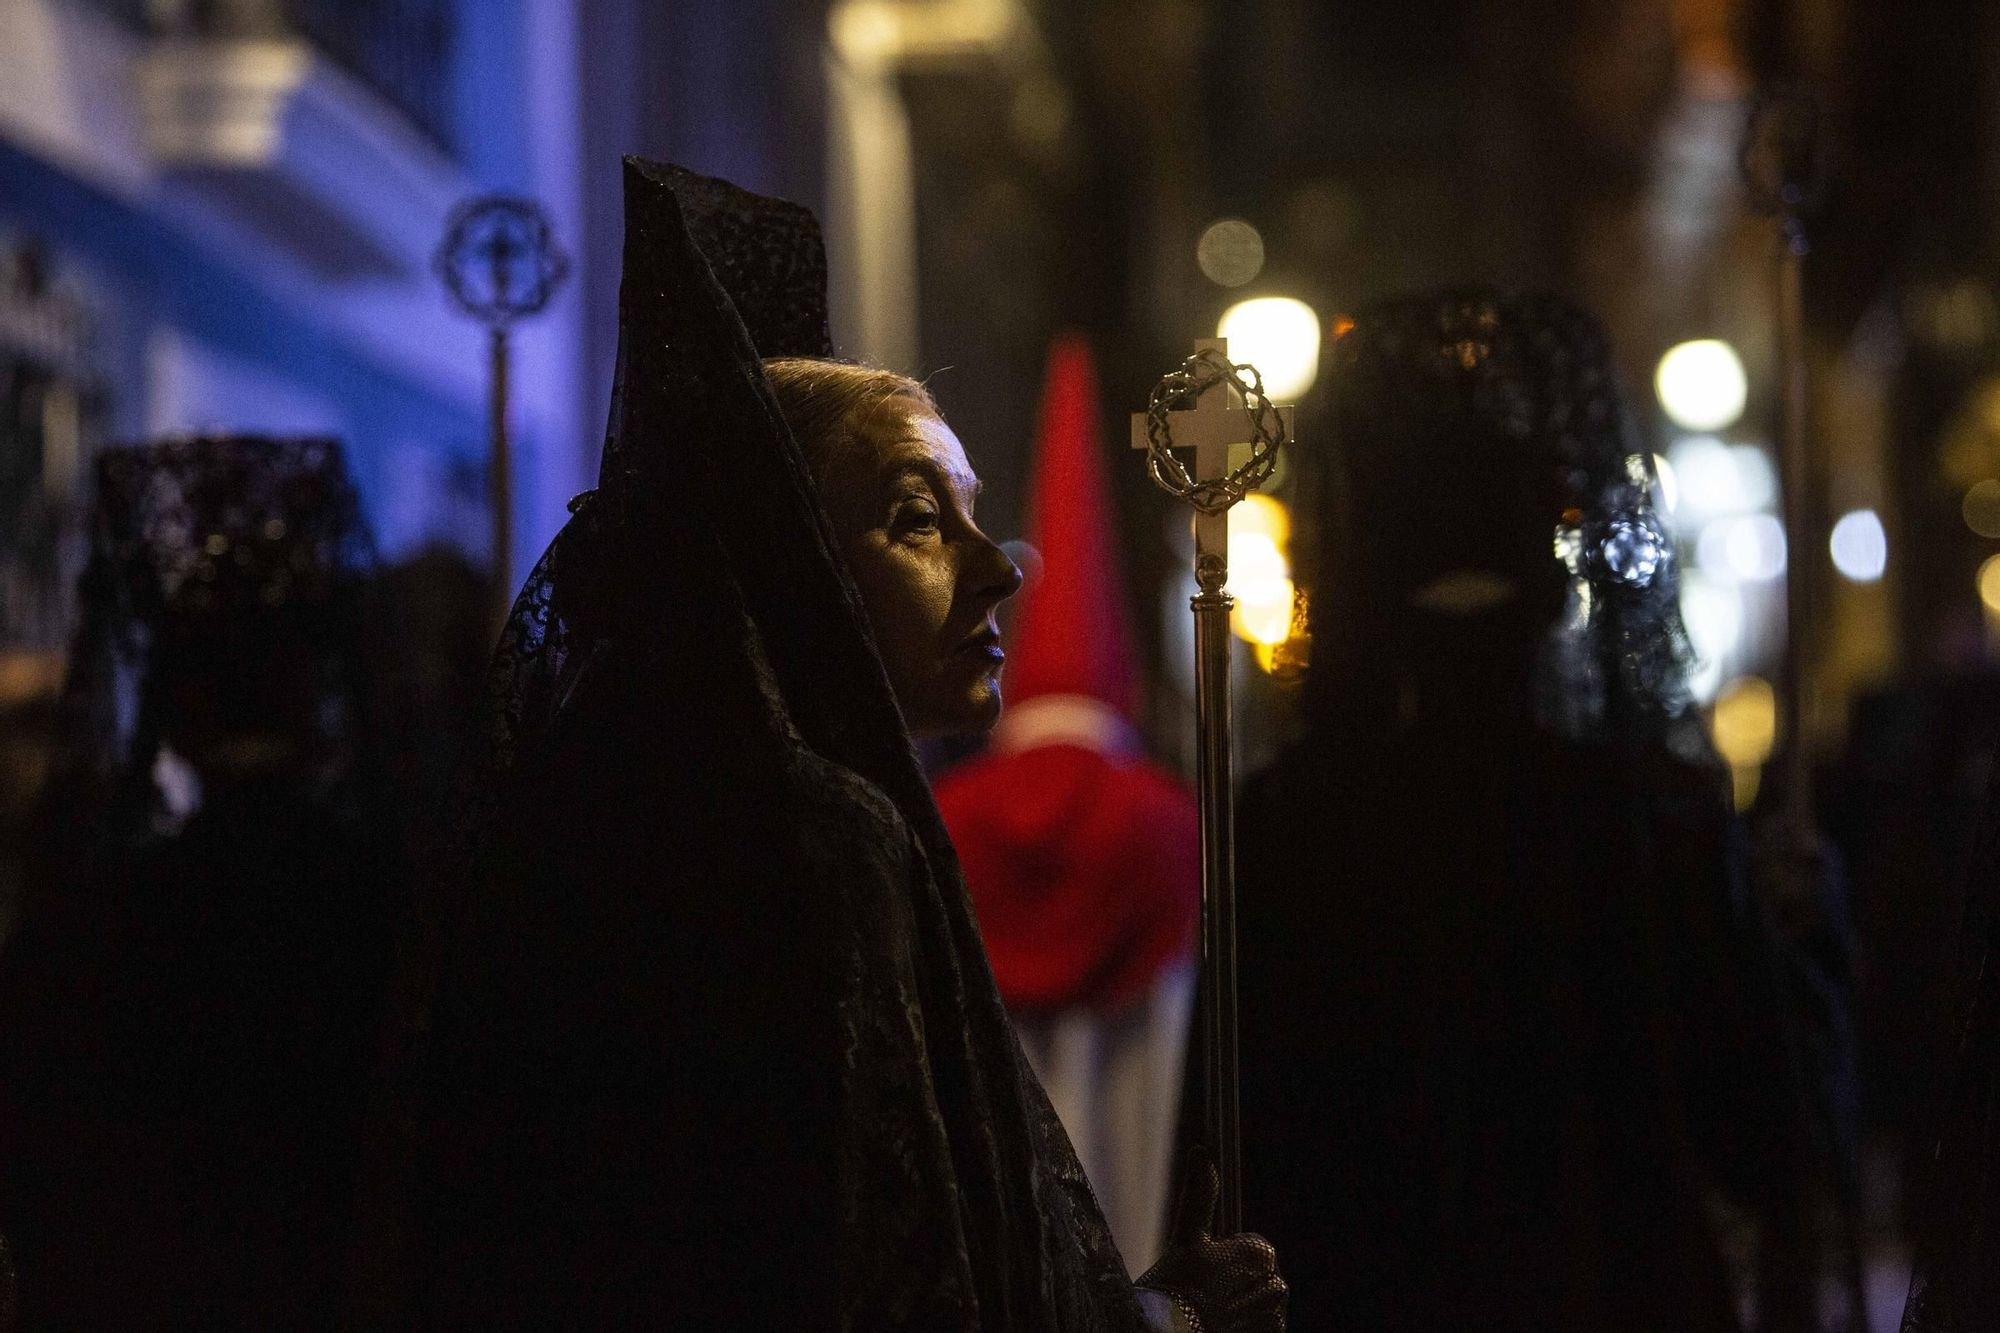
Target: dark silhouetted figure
1518, 1052
191, 1002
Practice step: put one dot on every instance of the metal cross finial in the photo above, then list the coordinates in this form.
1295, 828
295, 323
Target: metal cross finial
1229, 410
499, 259
500, 262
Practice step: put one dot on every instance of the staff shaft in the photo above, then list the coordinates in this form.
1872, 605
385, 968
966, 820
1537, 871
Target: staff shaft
499, 477
1222, 1109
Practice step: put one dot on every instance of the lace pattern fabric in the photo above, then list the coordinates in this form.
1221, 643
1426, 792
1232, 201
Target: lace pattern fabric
204, 545
702, 969
1525, 379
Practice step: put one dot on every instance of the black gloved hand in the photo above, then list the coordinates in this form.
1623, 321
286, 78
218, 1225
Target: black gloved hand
1216, 1284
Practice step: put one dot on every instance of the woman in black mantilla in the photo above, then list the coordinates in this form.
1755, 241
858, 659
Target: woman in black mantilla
1515, 1029
191, 1004
704, 1036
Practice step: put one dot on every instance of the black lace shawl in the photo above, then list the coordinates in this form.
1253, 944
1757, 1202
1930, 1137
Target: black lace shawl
705, 1036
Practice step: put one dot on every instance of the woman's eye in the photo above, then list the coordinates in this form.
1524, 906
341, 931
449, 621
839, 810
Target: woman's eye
917, 518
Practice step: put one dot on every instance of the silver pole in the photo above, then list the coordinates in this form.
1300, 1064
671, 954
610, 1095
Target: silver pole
1214, 764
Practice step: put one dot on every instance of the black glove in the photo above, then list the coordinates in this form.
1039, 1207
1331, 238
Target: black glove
1216, 1284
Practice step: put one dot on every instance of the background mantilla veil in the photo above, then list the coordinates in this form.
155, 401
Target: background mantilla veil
703, 1035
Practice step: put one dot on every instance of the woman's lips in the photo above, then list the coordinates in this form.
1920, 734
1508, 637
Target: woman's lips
983, 647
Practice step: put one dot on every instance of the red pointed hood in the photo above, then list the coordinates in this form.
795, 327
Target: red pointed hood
1084, 870
1070, 635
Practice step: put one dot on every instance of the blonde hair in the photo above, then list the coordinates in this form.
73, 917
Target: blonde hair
826, 403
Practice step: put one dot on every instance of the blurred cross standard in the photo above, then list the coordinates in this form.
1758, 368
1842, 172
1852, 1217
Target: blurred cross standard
500, 262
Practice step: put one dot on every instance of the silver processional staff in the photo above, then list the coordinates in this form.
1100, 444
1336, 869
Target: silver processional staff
1209, 404
500, 262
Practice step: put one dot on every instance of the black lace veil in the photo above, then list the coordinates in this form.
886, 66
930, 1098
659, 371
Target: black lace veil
1520, 392
704, 1035
217, 557
189, 1003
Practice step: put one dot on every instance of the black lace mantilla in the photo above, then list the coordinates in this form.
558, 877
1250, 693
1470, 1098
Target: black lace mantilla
704, 1035
204, 545
1421, 379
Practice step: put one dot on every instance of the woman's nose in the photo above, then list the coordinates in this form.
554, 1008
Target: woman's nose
995, 575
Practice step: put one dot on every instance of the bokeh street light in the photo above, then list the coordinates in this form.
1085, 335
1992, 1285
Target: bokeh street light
1859, 546
1279, 336
1701, 385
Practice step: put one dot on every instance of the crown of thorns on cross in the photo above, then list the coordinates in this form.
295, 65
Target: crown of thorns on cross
1183, 388
499, 259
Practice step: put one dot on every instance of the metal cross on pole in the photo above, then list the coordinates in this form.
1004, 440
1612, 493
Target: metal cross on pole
500, 262
1210, 405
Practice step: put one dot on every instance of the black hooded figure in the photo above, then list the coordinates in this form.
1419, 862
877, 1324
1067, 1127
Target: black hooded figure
192, 1002
703, 1035
1514, 1029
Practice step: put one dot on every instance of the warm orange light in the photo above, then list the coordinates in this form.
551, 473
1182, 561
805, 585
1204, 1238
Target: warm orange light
1989, 584
1288, 661
1263, 611
1259, 574
1260, 516
1745, 727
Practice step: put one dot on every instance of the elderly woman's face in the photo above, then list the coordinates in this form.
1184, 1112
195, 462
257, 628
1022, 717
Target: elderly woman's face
901, 502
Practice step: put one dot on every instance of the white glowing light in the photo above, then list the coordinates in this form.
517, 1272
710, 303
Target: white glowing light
1713, 614
1707, 478
1280, 337
1756, 477
1230, 252
1704, 679
1667, 483
1860, 547
1263, 612
1749, 548
1253, 556
1702, 385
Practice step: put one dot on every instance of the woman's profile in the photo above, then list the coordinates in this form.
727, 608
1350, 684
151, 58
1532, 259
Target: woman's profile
703, 1034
